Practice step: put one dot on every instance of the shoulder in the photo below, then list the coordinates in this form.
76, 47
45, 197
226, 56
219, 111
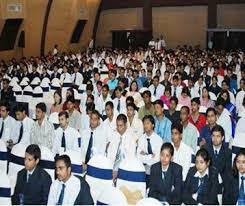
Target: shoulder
156, 166
22, 172
176, 167
43, 173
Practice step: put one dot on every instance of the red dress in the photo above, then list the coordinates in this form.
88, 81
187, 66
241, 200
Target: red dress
201, 121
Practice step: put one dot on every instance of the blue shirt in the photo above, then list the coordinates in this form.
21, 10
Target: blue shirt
163, 128
206, 134
112, 84
139, 82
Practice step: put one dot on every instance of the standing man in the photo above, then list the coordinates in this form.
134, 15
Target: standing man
68, 189
33, 182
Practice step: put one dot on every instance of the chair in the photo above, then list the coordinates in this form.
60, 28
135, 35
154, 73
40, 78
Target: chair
3, 157
35, 82
54, 119
149, 201
17, 92
99, 174
23, 84
131, 174
5, 190
111, 196
47, 161
212, 96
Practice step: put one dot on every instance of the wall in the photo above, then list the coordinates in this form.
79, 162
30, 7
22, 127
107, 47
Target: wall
231, 16
180, 25
117, 19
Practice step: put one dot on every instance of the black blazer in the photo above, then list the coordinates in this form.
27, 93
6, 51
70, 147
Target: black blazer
171, 187
36, 190
231, 190
223, 161
84, 196
210, 190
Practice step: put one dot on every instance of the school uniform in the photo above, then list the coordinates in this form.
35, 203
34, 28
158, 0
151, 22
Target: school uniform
166, 185
201, 189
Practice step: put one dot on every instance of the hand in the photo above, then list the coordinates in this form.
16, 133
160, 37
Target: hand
203, 142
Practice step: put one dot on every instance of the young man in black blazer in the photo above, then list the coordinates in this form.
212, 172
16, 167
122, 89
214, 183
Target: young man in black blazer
166, 178
33, 183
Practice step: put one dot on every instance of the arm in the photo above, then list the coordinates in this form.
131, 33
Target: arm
153, 187
212, 195
86, 198
176, 193
45, 188
187, 196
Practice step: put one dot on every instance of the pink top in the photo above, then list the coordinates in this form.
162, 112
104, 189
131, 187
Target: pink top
185, 101
206, 103
56, 109
165, 100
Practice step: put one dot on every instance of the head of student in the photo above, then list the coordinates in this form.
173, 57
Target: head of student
105, 90
70, 104
32, 157
159, 109
57, 97
176, 130
195, 104
211, 116
4, 109
147, 97
63, 119
94, 119
121, 123
166, 154
239, 163
218, 135
220, 105
148, 123
184, 114
20, 112
131, 108
109, 107
40, 110
63, 168
203, 160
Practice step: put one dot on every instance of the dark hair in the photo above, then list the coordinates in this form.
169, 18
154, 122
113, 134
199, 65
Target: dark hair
131, 104
150, 118
130, 88
210, 109
110, 104
196, 100
6, 105
130, 98
185, 90
234, 168
72, 91
156, 77
58, 92
174, 99
34, 151
64, 113
218, 128
204, 154
186, 108
20, 108
122, 117
147, 92
177, 126
175, 77
118, 88
95, 112
106, 87
167, 88
228, 96
90, 96
90, 107
89, 87
70, 99
159, 102
65, 158
169, 147
99, 83
220, 101
41, 106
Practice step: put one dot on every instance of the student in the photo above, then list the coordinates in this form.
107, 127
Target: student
149, 145
163, 124
201, 184
33, 183
120, 101
156, 88
166, 178
68, 189
25, 124
66, 137
234, 184
219, 152
74, 115
171, 113
148, 108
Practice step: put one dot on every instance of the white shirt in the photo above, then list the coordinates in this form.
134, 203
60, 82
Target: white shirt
122, 104
159, 90
178, 91
136, 126
156, 144
183, 156
99, 141
224, 120
71, 139
100, 104
10, 130
79, 78
65, 76
151, 44
84, 122
72, 189
110, 126
27, 126
128, 145
239, 99
240, 125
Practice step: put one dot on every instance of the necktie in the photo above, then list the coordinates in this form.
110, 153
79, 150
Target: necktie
118, 154
241, 198
215, 154
149, 148
28, 177
90, 145
155, 91
199, 91
200, 187
21, 132
75, 78
118, 106
1, 132
174, 91
62, 194
163, 175
63, 141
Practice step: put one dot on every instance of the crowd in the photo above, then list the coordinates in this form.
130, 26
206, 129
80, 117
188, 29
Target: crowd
179, 112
